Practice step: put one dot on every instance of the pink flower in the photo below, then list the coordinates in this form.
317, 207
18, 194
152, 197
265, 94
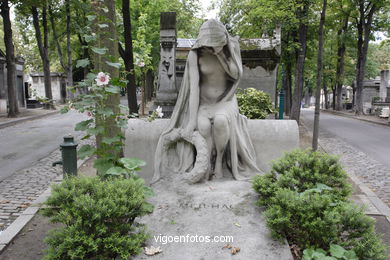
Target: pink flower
102, 79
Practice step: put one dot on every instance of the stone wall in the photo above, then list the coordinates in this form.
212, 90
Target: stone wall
58, 85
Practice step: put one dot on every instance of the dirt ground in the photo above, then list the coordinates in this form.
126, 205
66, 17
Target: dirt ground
29, 243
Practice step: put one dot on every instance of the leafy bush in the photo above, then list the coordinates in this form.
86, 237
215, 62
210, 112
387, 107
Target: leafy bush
300, 170
335, 252
254, 104
307, 198
99, 218
314, 219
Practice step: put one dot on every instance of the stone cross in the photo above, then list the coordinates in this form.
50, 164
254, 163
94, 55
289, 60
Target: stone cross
167, 92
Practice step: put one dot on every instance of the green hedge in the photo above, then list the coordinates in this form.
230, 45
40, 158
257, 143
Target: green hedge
306, 195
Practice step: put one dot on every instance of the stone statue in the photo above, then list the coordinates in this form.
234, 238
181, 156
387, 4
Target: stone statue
206, 133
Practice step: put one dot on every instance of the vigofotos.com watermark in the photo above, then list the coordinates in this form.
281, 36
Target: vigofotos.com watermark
165, 239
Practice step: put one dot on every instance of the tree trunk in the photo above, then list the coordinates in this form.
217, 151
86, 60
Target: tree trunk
55, 36
127, 56
326, 96
288, 99
319, 77
149, 85
84, 46
43, 50
334, 98
340, 63
299, 70
69, 71
364, 30
13, 109
107, 37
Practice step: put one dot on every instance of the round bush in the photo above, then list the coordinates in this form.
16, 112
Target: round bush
314, 219
254, 104
99, 218
301, 170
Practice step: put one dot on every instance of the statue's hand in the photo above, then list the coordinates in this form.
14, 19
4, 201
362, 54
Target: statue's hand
217, 50
187, 132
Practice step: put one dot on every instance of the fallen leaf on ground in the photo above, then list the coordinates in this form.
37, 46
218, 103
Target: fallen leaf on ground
236, 224
227, 246
152, 250
235, 250
25, 205
211, 187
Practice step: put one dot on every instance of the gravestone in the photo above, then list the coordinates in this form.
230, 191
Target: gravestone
167, 92
384, 86
203, 219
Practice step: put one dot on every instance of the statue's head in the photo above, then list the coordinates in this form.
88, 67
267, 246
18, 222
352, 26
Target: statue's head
212, 33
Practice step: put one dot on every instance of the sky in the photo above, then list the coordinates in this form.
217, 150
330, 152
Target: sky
208, 13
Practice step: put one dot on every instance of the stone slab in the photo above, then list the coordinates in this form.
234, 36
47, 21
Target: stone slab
271, 138
213, 209
7, 235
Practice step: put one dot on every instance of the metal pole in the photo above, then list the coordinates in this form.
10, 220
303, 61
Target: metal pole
69, 156
281, 103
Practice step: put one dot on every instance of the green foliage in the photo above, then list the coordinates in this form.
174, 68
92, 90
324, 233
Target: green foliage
306, 194
254, 104
98, 217
335, 252
301, 170
317, 220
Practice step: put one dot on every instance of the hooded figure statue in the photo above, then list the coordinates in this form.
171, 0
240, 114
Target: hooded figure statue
206, 134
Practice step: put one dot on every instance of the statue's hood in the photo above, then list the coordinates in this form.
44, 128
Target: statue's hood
212, 34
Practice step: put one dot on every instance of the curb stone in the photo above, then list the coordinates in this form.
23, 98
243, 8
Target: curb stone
21, 120
8, 235
353, 117
382, 208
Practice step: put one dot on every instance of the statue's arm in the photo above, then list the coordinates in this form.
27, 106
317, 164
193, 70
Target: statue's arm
194, 90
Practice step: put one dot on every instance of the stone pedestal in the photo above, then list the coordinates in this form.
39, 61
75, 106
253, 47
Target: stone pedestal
167, 92
388, 95
270, 138
384, 86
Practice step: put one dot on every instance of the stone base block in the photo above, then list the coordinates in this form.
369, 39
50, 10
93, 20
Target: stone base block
271, 138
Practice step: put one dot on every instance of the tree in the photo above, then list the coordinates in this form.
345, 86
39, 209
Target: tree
43, 48
68, 68
366, 9
302, 14
341, 11
128, 58
10, 60
319, 76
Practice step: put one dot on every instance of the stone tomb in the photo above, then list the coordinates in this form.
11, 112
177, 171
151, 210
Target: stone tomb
210, 209
213, 211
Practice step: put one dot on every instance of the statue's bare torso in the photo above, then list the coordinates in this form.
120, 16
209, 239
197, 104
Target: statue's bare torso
213, 78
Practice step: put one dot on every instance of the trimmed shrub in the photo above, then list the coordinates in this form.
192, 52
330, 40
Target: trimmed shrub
254, 104
313, 219
99, 218
306, 194
300, 170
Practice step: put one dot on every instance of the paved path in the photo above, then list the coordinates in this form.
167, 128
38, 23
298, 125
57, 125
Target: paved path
372, 139
25, 143
364, 148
